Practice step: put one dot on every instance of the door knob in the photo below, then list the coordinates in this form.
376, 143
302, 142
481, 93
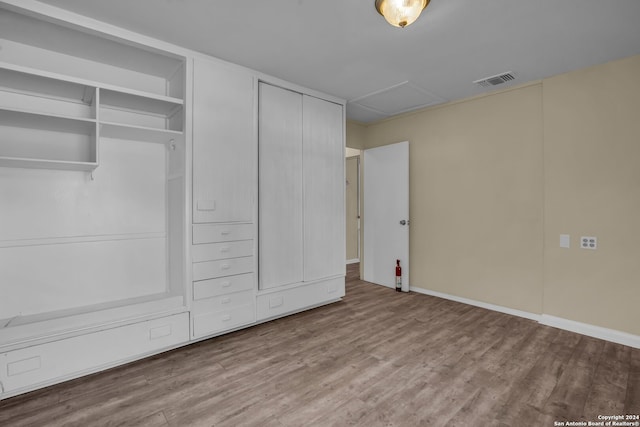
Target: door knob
404, 222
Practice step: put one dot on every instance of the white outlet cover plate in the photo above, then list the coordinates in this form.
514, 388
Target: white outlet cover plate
565, 241
589, 242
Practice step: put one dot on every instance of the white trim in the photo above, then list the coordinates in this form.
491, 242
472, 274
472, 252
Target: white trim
606, 334
591, 330
481, 304
353, 261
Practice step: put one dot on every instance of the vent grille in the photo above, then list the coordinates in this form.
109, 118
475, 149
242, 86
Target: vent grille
498, 79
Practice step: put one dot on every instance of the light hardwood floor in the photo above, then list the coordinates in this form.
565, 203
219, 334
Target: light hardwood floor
378, 358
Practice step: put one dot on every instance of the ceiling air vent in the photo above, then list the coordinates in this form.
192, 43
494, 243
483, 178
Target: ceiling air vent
498, 79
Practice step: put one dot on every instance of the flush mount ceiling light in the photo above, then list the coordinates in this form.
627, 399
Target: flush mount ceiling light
401, 13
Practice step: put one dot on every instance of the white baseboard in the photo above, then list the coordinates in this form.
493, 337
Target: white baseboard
353, 261
545, 319
481, 304
592, 330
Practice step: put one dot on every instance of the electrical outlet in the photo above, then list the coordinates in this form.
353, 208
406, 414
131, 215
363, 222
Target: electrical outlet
589, 242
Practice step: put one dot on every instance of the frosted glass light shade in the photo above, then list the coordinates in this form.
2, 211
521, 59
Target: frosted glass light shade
401, 13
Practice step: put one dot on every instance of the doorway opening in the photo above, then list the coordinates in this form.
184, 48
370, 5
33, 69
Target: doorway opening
352, 206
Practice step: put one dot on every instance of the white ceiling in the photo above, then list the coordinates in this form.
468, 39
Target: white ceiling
344, 48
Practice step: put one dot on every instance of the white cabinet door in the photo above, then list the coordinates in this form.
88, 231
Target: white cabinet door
280, 187
224, 155
323, 164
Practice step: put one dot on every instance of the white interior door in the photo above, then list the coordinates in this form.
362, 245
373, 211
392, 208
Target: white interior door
386, 213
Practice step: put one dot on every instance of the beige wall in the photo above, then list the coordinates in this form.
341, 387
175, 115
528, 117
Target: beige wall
351, 152
476, 197
495, 179
592, 188
355, 135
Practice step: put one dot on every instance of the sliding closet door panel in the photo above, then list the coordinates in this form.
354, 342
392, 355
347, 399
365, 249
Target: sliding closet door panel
280, 186
223, 143
323, 163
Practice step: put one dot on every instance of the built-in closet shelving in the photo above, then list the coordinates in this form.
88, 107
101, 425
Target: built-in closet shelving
147, 196
88, 262
48, 122
33, 99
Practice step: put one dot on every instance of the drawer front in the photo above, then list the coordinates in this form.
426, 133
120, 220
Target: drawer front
220, 321
225, 250
215, 233
226, 267
223, 285
58, 360
223, 302
295, 299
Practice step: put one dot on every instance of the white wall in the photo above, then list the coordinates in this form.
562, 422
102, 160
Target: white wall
67, 240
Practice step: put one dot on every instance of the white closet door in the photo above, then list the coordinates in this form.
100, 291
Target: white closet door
323, 165
223, 143
280, 186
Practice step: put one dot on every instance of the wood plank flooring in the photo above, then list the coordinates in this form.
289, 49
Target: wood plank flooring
378, 358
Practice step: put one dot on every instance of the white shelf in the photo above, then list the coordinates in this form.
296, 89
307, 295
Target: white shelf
134, 112
138, 133
12, 74
29, 83
132, 100
31, 121
17, 162
51, 122
77, 50
33, 97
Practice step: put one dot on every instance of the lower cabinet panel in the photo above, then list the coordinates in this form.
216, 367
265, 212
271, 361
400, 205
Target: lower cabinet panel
58, 360
43, 364
275, 304
218, 321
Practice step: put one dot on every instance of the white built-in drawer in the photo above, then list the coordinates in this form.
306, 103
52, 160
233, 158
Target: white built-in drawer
222, 285
274, 304
223, 302
58, 360
222, 268
224, 250
214, 233
220, 321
